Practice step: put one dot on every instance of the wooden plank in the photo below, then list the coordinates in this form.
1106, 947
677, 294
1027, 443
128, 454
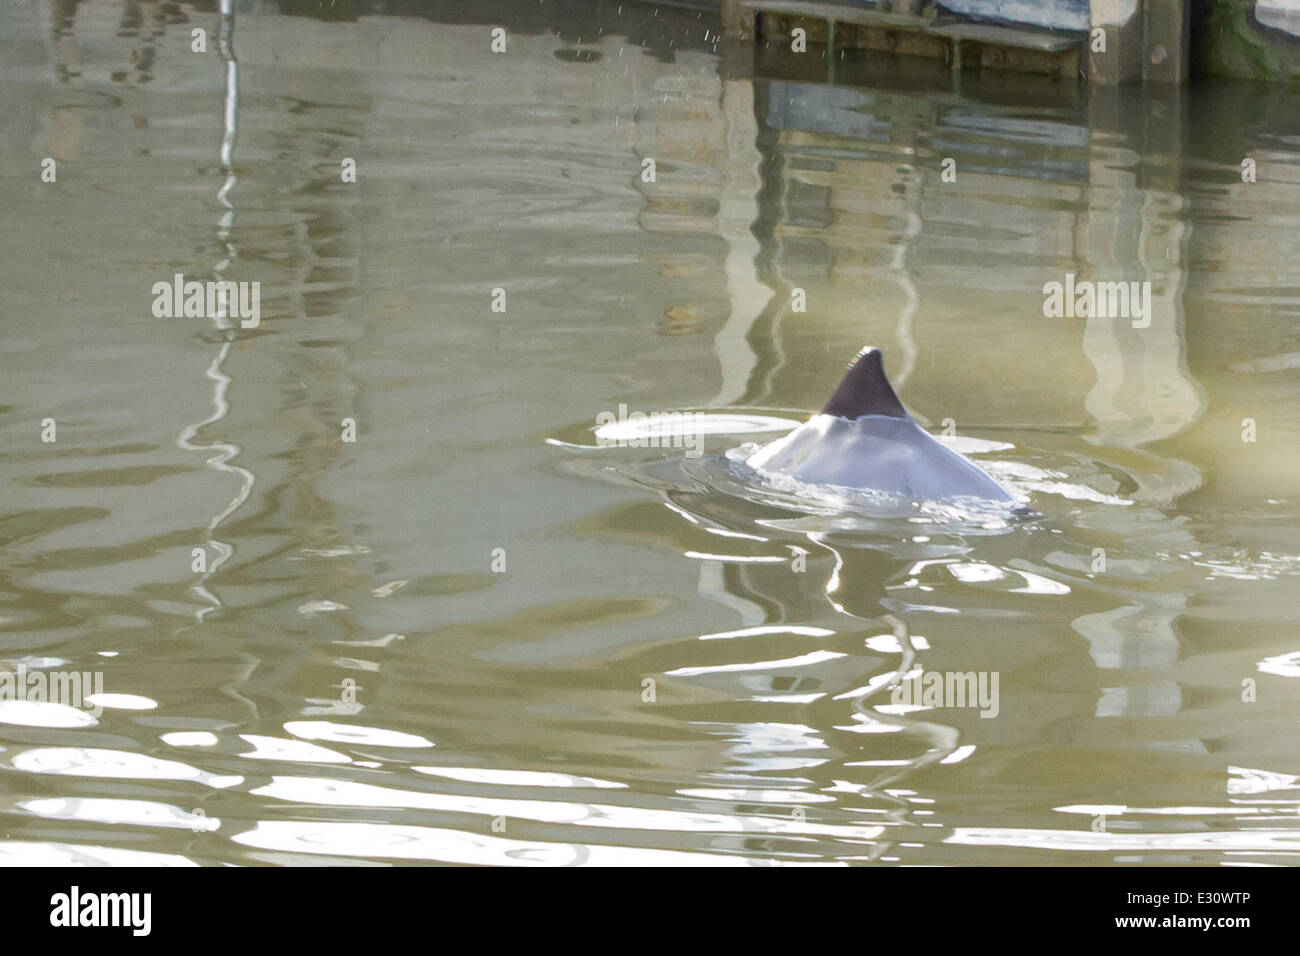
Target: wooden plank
1121, 59
1008, 36
838, 12
1166, 32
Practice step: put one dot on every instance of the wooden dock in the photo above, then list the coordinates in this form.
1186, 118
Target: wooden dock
1155, 41
838, 28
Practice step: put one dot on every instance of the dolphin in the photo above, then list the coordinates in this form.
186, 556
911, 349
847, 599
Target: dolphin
864, 439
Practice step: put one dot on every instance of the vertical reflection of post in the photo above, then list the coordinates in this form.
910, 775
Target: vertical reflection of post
1137, 231
67, 52
230, 122
1144, 392
899, 265
905, 126
225, 452
737, 212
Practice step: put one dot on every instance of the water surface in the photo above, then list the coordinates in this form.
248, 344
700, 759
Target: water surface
475, 635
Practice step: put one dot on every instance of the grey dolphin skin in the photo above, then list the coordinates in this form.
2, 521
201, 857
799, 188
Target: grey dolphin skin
865, 439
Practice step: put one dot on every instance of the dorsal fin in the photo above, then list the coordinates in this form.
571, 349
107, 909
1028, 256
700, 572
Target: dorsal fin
864, 390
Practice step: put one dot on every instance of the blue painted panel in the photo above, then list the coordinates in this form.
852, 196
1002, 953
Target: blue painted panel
1061, 14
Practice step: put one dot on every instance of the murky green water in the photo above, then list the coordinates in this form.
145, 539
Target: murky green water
472, 635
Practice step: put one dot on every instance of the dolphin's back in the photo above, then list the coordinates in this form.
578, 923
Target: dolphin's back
865, 439
875, 452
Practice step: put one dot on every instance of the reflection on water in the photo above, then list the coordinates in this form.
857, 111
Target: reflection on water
477, 634
221, 551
